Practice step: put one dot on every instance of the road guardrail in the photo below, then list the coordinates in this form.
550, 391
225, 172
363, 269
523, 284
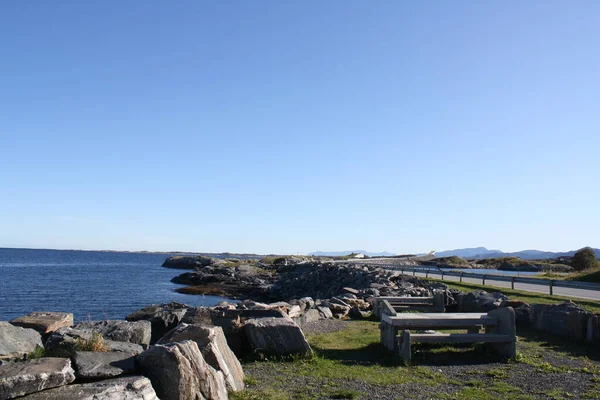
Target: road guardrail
549, 283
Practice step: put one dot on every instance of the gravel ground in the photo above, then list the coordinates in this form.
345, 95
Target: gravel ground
542, 373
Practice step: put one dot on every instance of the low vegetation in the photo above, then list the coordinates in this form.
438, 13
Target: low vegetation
508, 263
351, 364
584, 259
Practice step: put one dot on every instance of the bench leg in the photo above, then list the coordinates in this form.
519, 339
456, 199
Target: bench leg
506, 326
439, 302
405, 352
388, 336
474, 329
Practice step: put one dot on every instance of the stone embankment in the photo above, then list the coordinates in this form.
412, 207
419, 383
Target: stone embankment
287, 279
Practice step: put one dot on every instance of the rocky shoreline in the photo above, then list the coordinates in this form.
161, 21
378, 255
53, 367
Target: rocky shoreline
176, 351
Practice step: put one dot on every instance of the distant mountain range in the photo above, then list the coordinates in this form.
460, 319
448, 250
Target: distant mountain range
471, 253
345, 253
482, 252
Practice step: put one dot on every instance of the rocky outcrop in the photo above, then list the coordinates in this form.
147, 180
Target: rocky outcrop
179, 372
138, 332
308, 316
44, 322
565, 319
480, 301
21, 378
276, 336
15, 342
242, 281
95, 365
69, 339
213, 345
125, 388
187, 262
162, 317
297, 280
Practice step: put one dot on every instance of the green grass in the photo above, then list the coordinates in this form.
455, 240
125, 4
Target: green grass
528, 297
39, 352
354, 354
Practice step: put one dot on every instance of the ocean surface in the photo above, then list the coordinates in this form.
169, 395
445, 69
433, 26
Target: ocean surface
90, 284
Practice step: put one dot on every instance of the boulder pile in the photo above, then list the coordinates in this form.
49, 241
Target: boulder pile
114, 359
290, 278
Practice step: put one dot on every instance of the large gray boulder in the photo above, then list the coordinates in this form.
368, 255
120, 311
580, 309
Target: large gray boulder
44, 322
21, 378
310, 315
179, 372
231, 320
564, 319
93, 365
138, 332
69, 340
213, 345
276, 336
481, 301
125, 388
15, 342
162, 317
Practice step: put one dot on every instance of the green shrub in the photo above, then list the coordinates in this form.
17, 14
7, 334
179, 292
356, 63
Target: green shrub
584, 259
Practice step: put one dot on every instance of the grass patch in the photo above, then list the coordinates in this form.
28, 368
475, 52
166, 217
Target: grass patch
528, 297
39, 352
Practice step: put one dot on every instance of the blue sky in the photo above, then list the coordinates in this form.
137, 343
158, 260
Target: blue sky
291, 127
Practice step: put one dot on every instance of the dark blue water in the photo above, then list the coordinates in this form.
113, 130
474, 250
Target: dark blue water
90, 284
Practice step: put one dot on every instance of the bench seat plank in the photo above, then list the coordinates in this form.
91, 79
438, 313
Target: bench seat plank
460, 338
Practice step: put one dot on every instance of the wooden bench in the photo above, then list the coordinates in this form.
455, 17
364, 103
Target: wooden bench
436, 303
499, 327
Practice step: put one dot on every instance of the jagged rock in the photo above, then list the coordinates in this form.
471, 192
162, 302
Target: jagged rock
357, 313
311, 315
184, 262
481, 301
295, 311
351, 291
338, 310
19, 379
15, 341
276, 336
282, 305
360, 304
44, 322
325, 312
163, 317
178, 372
305, 303
68, 338
213, 345
138, 332
89, 364
125, 388
565, 319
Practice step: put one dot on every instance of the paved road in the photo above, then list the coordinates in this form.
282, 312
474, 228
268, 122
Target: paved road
558, 291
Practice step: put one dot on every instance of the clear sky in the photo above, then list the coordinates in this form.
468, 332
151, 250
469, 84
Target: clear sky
291, 127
